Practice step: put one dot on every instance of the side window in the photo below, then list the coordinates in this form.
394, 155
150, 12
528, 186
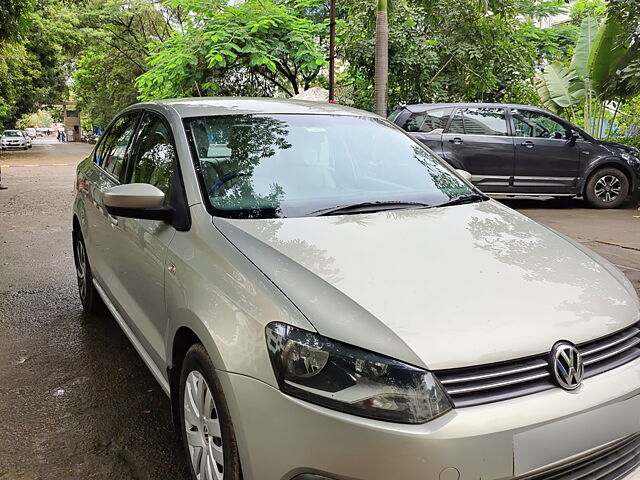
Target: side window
153, 156
537, 125
431, 121
484, 121
115, 144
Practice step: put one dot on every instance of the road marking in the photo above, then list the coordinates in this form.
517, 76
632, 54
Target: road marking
33, 165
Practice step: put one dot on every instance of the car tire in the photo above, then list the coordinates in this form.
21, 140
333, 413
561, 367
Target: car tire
607, 188
89, 296
205, 423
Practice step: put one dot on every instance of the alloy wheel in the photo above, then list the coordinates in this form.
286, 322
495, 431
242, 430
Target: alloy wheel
608, 188
202, 429
81, 269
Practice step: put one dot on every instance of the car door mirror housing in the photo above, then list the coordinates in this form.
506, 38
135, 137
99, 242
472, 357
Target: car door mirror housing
464, 174
137, 200
573, 139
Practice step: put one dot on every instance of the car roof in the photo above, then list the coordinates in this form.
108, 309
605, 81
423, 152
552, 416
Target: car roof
430, 106
208, 106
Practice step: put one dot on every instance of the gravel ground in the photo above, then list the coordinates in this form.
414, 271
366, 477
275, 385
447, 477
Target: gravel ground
76, 402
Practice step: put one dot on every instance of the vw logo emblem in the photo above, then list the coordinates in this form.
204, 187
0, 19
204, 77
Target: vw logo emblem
568, 367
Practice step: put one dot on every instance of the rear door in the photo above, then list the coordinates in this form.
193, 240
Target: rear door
427, 127
109, 171
478, 140
546, 162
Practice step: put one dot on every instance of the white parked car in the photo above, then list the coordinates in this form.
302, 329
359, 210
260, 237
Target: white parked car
14, 139
31, 132
323, 298
27, 138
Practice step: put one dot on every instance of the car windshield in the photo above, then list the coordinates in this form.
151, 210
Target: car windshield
12, 133
266, 166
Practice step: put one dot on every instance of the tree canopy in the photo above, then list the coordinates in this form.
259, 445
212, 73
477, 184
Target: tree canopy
107, 54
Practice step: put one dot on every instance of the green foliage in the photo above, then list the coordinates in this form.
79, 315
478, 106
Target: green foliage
35, 66
117, 37
14, 17
439, 50
41, 118
256, 47
595, 9
594, 77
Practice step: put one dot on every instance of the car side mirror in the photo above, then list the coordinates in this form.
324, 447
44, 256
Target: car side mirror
137, 200
464, 174
573, 139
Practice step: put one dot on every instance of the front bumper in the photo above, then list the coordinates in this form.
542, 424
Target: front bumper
280, 437
14, 145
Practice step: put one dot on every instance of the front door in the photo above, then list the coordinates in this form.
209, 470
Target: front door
478, 141
143, 244
546, 160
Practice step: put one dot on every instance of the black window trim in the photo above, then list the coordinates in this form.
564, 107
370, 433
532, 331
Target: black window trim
183, 222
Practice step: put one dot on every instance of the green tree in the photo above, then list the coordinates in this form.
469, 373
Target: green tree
35, 65
255, 47
438, 50
117, 35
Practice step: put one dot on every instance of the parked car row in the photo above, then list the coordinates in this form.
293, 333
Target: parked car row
322, 298
522, 150
15, 139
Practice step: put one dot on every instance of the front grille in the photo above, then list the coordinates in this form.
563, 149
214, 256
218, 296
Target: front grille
499, 381
611, 463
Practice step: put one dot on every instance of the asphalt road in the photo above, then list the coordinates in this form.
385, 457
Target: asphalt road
76, 402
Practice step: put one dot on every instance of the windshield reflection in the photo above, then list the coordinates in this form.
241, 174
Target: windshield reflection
257, 166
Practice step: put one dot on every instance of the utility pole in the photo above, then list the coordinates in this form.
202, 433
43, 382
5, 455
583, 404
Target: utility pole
332, 51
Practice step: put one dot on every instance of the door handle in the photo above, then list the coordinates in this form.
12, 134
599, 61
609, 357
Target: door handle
456, 140
528, 144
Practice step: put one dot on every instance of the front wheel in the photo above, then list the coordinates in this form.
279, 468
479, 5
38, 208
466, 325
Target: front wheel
607, 188
207, 431
91, 301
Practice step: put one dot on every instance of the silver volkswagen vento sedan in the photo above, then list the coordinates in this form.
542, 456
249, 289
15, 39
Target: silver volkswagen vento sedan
323, 298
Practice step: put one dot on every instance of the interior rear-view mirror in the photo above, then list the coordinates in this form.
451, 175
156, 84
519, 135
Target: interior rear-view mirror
137, 200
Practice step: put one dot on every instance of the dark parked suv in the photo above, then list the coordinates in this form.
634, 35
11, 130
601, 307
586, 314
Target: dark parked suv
521, 150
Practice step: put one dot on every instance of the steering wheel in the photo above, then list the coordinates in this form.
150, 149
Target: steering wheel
226, 179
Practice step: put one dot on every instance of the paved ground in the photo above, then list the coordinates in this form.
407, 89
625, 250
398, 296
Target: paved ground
76, 402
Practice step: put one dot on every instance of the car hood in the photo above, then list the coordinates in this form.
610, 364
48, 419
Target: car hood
440, 287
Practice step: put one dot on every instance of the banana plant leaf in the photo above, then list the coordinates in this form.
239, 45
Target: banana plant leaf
561, 82
543, 92
586, 37
606, 53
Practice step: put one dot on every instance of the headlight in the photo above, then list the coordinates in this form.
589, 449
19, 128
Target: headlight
356, 381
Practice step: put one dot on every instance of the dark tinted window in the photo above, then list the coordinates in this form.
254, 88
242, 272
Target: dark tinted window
485, 121
537, 125
110, 154
153, 156
431, 121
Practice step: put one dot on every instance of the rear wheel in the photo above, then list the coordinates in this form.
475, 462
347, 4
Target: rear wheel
91, 301
607, 188
207, 431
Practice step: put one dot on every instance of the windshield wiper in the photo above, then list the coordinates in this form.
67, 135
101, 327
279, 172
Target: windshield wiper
367, 207
463, 199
